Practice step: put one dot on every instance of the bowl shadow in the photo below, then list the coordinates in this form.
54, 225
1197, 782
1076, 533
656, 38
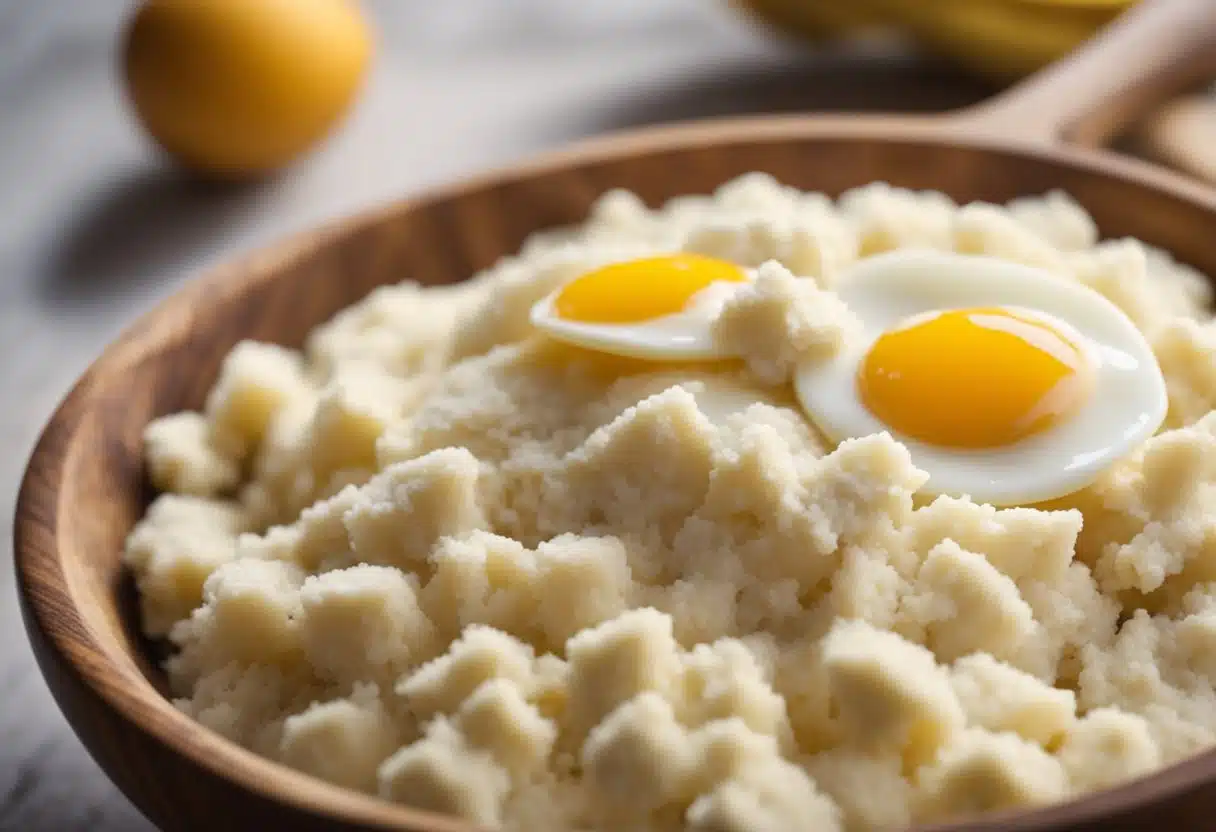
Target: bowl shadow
138, 228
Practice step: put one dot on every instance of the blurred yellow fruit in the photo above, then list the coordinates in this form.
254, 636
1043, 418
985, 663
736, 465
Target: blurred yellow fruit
1113, 5
1000, 38
240, 87
815, 20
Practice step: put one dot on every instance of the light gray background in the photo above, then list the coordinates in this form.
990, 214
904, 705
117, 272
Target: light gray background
94, 227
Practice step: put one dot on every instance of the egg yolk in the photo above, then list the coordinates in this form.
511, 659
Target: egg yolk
974, 378
641, 290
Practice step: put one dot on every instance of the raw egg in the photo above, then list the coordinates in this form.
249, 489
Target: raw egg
657, 308
240, 87
1006, 383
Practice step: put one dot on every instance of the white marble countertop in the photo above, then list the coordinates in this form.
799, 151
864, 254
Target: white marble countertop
94, 227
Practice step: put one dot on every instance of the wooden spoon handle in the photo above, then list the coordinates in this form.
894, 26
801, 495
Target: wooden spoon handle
1150, 52
1182, 135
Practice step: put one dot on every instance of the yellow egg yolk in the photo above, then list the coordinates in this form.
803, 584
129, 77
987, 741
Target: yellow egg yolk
974, 378
641, 290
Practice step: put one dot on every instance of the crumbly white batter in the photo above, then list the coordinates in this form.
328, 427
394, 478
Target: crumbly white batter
439, 558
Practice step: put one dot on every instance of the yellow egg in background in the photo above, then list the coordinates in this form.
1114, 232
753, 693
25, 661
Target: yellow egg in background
235, 88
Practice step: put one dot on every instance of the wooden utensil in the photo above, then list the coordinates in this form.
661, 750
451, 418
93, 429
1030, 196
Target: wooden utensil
1182, 134
84, 487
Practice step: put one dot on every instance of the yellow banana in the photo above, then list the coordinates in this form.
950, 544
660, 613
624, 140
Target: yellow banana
1000, 38
814, 19
1114, 5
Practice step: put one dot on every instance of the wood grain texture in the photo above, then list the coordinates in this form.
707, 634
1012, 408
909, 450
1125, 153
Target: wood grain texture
85, 487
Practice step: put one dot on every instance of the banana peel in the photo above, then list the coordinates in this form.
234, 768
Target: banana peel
1002, 39
817, 20
1115, 5
1005, 39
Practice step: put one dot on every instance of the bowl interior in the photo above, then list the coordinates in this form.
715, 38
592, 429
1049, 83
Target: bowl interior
88, 466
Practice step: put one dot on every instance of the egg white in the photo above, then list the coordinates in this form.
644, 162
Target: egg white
686, 335
1128, 399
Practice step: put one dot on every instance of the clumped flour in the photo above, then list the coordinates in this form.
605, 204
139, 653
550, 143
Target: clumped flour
439, 558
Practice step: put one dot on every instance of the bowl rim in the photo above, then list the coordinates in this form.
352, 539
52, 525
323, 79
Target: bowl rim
49, 603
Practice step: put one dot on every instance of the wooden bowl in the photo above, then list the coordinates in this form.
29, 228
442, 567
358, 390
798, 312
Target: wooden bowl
85, 487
